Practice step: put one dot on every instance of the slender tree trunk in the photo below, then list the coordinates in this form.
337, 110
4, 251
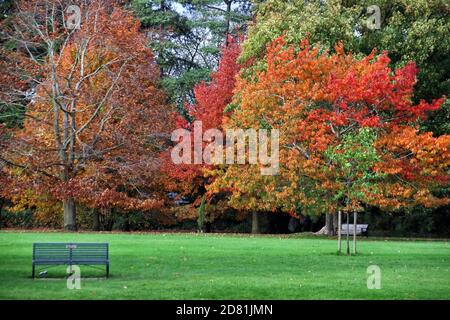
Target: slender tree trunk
328, 223
96, 220
109, 218
70, 222
255, 222
348, 239
339, 232
355, 217
1, 207
228, 21
335, 223
126, 224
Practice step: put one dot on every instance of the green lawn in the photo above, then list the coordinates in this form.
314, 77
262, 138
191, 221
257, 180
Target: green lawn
190, 266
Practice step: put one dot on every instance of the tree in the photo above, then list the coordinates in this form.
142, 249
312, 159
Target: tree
351, 165
415, 166
187, 37
15, 89
92, 128
329, 108
177, 46
410, 30
210, 101
165, 27
221, 17
201, 215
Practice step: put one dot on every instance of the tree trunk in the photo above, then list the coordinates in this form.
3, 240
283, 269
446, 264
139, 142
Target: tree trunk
96, 220
355, 217
329, 224
255, 222
348, 239
228, 21
126, 224
339, 232
335, 223
70, 222
1, 207
108, 218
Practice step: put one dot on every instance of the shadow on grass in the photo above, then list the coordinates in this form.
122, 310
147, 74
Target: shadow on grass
59, 272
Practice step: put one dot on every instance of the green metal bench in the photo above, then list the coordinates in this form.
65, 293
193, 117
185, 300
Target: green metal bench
70, 254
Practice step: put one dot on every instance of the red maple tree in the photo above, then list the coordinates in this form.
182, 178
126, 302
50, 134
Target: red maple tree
211, 99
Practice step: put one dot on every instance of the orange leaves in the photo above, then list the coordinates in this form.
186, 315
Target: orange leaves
97, 121
421, 149
113, 199
317, 99
418, 159
391, 168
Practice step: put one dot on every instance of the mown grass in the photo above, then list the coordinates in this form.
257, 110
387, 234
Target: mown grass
191, 266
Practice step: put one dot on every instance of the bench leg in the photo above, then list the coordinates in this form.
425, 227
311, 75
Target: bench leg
32, 272
107, 270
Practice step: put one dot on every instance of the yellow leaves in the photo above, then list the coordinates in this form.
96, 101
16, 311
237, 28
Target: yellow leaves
47, 210
425, 198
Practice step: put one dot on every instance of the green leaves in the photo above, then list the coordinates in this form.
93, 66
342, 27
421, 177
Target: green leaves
201, 214
355, 158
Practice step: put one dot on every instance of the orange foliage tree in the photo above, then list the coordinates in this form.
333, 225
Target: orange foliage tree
92, 127
319, 100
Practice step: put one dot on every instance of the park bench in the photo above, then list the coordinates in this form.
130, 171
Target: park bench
70, 254
361, 229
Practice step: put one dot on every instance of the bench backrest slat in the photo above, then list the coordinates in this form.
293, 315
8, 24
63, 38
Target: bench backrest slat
358, 226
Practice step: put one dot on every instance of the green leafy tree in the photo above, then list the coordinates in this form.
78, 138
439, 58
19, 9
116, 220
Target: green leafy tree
201, 214
220, 17
354, 160
187, 36
13, 97
175, 45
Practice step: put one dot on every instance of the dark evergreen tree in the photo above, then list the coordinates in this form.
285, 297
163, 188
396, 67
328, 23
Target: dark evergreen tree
186, 37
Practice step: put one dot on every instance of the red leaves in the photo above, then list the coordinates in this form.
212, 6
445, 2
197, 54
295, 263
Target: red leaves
420, 110
211, 100
370, 122
316, 100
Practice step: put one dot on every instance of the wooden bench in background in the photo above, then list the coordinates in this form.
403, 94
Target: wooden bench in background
361, 229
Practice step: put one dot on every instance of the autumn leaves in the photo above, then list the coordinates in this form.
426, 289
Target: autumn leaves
97, 126
87, 138
348, 134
